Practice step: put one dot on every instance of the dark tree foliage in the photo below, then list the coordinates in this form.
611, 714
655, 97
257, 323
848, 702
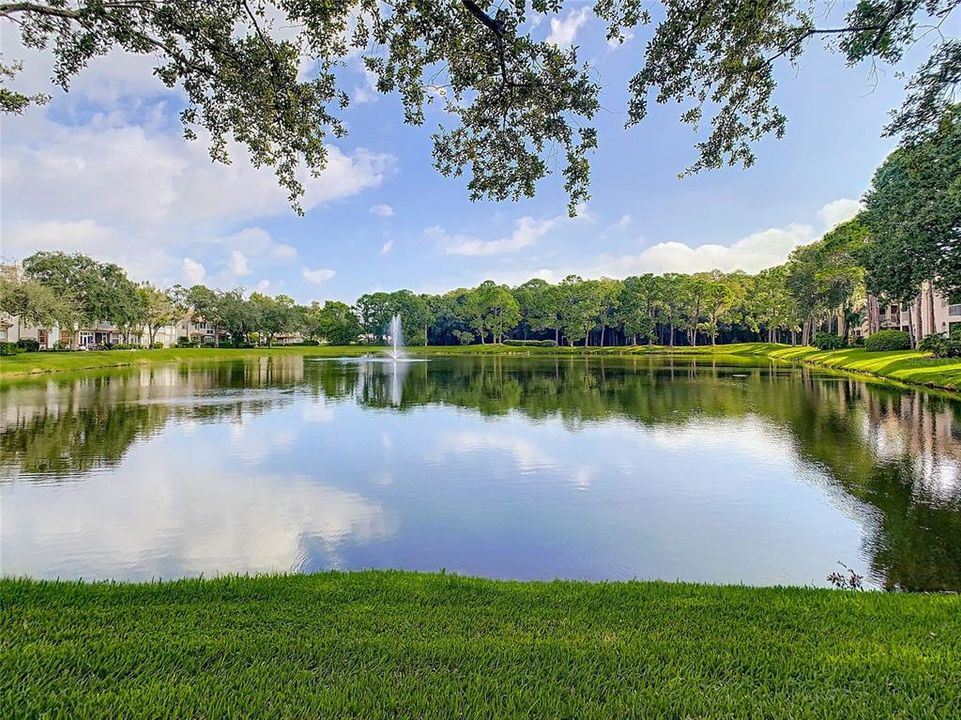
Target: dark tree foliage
516, 104
914, 214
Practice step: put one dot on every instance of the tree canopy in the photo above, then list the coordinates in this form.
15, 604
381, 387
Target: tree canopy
266, 74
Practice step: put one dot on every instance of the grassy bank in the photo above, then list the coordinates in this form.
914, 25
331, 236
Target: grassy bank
909, 367
904, 366
388, 644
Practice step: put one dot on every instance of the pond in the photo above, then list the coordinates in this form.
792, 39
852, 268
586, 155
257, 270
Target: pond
602, 469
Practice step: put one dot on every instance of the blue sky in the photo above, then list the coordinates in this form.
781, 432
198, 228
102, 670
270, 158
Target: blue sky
104, 170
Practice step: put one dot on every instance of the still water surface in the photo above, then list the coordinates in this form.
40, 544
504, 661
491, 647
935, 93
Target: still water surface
503, 467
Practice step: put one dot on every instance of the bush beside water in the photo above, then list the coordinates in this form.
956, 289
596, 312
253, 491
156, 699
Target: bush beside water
887, 340
531, 343
828, 341
943, 345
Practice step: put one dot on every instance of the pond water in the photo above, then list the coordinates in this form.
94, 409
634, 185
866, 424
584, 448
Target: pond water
495, 466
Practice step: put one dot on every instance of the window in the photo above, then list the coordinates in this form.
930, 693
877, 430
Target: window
86, 338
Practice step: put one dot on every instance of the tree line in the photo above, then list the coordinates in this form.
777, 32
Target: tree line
907, 240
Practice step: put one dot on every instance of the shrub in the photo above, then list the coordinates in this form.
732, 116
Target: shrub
309, 343
464, 337
28, 345
10, 348
124, 346
184, 342
828, 341
156, 345
887, 340
531, 343
858, 341
943, 345
61, 347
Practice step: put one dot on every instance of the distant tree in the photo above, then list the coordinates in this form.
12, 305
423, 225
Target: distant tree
609, 298
240, 317
337, 323
913, 214
101, 291
415, 315
273, 316
674, 289
770, 305
373, 310
204, 305
640, 300
159, 309
491, 308
719, 297
537, 301
581, 306
30, 301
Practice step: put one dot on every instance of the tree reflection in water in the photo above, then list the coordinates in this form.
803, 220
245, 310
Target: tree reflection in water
892, 458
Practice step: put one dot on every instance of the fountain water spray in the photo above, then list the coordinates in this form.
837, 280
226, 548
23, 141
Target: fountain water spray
396, 339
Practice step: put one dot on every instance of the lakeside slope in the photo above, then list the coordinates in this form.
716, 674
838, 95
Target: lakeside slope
389, 644
905, 366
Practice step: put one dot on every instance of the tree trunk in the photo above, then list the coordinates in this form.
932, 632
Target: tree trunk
931, 323
602, 334
911, 330
916, 311
672, 336
586, 338
557, 336
874, 315
842, 324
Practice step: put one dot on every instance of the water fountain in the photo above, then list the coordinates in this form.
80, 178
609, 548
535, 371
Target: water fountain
396, 339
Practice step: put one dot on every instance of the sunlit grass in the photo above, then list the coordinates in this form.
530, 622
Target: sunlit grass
389, 644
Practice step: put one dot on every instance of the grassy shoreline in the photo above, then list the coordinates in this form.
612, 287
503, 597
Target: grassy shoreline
392, 644
905, 367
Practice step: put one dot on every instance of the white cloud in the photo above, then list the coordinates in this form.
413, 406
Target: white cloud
387, 247
194, 271
366, 93
263, 285
284, 251
563, 32
623, 223
527, 231
238, 264
839, 211
751, 253
139, 195
318, 276
382, 210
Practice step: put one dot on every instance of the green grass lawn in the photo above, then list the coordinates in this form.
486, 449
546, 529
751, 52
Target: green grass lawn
390, 644
906, 366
